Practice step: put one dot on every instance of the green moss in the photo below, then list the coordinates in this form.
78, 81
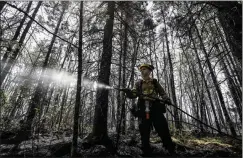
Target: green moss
193, 141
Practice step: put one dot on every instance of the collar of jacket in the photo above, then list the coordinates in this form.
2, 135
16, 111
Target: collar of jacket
149, 80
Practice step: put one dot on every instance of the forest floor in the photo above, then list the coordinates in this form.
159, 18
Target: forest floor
186, 146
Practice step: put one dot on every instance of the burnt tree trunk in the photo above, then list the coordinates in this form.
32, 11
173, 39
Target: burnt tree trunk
2, 4
119, 83
79, 81
134, 59
230, 17
123, 110
64, 98
99, 133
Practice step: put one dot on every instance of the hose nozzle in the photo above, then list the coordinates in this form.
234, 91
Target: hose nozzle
122, 89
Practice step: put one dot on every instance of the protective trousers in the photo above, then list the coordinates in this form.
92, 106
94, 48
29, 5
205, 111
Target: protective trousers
160, 124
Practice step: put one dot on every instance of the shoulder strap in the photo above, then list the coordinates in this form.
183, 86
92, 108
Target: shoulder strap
140, 86
155, 82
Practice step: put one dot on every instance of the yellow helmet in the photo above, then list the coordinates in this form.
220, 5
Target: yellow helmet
150, 67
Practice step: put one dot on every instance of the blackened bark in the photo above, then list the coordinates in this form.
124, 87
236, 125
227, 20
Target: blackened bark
100, 118
123, 110
220, 113
119, 84
64, 98
79, 81
49, 100
134, 59
230, 17
2, 4
113, 112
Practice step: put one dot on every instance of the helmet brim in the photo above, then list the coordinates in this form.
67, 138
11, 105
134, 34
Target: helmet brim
150, 67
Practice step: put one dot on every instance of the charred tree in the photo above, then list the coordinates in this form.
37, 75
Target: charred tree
99, 132
79, 82
2, 4
119, 82
134, 59
125, 45
230, 17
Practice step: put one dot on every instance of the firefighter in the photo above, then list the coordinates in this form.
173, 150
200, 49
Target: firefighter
150, 111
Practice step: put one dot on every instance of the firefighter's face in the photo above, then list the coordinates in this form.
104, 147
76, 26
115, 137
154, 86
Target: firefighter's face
145, 72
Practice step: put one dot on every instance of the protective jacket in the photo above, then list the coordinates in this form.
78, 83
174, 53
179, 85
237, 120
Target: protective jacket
149, 88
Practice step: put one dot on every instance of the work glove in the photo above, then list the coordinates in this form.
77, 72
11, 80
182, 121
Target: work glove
167, 101
127, 91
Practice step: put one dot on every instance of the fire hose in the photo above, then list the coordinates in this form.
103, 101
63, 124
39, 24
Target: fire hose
126, 90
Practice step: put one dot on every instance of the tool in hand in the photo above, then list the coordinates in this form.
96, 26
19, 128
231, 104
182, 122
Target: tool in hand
127, 90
